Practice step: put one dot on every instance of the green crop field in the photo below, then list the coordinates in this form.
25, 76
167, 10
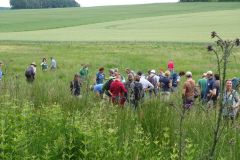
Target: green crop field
43, 121
155, 22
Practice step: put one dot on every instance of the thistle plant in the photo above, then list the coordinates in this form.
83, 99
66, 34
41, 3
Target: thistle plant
222, 50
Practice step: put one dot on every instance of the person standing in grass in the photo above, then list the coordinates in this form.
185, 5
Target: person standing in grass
129, 71
188, 91
154, 80
118, 91
210, 83
166, 84
175, 78
100, 76
75, 86
53, 64
216, 89
202, 84
1, 72
44, 64
31, 72
170, 66
84, 72
231, 101
147, 86
127, 85
129, 81
136, 92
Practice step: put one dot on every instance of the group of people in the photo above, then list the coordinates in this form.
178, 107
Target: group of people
137, 87
31, 70
44, 64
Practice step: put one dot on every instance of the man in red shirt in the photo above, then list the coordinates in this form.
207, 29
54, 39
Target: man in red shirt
118, 91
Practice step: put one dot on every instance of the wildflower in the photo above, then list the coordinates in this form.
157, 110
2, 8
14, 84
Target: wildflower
231, 141
213, 34
210, 48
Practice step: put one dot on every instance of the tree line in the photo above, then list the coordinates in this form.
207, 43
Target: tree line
31, 4
209, 0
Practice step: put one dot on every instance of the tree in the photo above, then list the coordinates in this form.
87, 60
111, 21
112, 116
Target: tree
30, 4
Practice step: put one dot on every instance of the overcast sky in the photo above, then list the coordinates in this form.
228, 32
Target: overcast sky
89, 3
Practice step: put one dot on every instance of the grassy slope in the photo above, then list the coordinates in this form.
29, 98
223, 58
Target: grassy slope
22, 20
194, 27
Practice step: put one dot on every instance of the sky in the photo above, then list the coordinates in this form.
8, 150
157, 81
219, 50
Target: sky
90, 3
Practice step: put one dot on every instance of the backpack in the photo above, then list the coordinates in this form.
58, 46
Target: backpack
236, 83
153, 81
106, 86
138, 91
196, 93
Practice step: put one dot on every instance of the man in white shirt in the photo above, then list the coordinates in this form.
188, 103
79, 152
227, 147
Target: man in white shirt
146, 84
53, 63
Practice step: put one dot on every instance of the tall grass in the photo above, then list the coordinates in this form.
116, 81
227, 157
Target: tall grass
43, 121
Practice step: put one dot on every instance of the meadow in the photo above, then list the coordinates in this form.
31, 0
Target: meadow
43, 121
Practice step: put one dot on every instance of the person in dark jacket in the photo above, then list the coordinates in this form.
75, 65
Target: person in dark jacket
31, 72
75, 86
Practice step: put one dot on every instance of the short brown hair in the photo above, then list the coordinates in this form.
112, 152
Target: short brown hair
101, 69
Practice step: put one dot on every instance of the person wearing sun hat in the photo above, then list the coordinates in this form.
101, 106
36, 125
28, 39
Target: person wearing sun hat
154, 80
166, 84
31, 72
210, 83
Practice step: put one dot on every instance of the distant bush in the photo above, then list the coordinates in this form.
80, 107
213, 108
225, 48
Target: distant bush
30, 4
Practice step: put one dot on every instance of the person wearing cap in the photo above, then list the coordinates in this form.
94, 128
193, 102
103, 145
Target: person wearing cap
188, 91
118, 91
100, 76
154, 80
53, 65
84, 71
75, 86
166, 84
215, 91
202, 84
210, 83
31, 72
44, 64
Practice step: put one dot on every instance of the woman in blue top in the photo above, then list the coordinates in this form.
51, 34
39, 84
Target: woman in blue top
100, 76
